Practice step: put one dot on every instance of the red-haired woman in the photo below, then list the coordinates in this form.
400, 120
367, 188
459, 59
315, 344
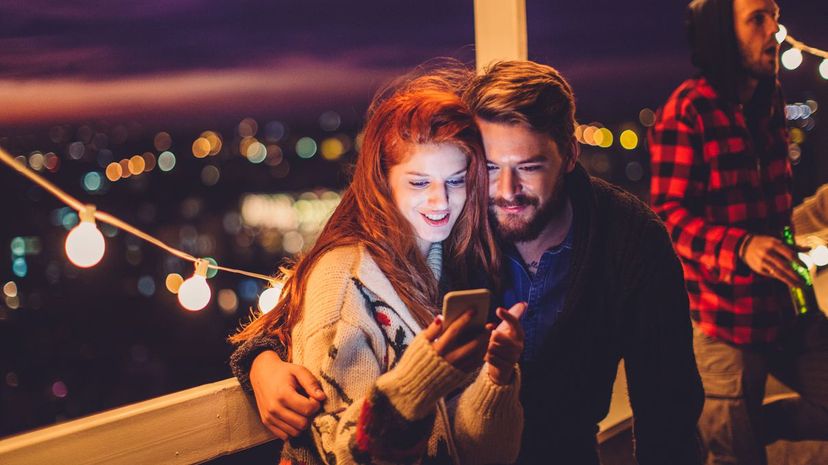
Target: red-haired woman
412, 223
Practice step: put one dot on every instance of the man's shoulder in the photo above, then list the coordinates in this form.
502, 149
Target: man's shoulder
693, 97
614, 201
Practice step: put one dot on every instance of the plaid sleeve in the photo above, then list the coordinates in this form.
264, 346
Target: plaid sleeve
678, 184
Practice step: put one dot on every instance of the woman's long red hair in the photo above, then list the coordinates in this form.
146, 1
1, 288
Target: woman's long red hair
425, 110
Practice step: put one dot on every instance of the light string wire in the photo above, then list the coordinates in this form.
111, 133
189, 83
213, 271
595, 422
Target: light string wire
104, 217
805, 47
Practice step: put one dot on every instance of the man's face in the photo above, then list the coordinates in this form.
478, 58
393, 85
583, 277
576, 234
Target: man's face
755, 23
526, 171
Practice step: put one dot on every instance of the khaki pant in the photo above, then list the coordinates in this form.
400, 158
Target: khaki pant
734, 424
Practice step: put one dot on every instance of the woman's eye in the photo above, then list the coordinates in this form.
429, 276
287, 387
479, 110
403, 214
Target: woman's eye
491, 167
418, 184
457, 182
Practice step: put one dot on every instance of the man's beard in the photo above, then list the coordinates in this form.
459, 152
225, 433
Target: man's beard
758, 70
531, 229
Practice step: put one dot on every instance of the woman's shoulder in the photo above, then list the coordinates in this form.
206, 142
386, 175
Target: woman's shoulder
332, 285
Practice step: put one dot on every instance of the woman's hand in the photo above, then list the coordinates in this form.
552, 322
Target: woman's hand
505, 344
460, 344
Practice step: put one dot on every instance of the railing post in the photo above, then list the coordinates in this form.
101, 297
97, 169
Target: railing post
499, 31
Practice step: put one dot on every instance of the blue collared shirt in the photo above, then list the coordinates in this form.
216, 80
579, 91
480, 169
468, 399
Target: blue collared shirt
544, 291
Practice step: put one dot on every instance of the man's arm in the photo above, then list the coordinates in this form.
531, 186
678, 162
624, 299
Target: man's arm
664, 385
287, 395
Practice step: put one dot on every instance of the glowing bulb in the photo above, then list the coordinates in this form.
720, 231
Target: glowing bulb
85, 244
823, 69
781, 34
270, 297
194, 293
806, 259
819, 255
792, 58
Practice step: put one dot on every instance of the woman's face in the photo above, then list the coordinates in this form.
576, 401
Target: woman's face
429, 188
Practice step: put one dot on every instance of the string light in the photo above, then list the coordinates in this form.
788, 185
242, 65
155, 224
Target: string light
194, 293
85, 244
270, 297
792, 58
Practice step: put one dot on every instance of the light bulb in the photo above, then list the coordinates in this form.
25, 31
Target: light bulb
270, 297
85, 244
194, 293
781, 34
823, 69
819, 255
792, 58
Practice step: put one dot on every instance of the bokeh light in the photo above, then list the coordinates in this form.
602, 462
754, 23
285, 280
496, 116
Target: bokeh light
114, 171
823, 69
646, 117
210, 175
136, 165
332, 148
162, 141
146, 286
36, 161
628, 139
166, 161
330, 121
10, 289
173, 282
201, 147
92, 181
19, 267
248, 127
215, 141
603, 138
306, 147
274, 131
228, 301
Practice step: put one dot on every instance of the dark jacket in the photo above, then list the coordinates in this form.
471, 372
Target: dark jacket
626, 299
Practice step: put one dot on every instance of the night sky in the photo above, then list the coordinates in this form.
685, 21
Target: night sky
83, 72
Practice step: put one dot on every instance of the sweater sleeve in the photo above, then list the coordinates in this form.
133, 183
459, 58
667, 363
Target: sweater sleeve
242, 358
371, 417
488, 423
678, 179
663, 381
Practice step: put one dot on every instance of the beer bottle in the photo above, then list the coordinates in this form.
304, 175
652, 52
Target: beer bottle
802, 296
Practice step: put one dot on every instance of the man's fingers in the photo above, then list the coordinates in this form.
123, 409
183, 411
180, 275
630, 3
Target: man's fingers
296, 420
281, 429
309, 383
304, 406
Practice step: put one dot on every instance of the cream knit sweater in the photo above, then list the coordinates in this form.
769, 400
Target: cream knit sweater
386, 387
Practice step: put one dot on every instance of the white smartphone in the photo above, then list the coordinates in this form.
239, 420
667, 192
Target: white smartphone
455, 303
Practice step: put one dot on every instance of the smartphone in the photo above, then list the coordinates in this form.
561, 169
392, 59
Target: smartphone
455, 303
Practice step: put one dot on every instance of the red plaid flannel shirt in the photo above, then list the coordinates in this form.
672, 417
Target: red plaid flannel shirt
712, 185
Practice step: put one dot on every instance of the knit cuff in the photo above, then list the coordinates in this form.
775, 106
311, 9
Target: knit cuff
495, 399
419, 380
242, 358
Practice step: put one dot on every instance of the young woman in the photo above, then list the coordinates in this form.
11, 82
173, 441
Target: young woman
411, 224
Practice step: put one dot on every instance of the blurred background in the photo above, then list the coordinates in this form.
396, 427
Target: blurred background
226, 129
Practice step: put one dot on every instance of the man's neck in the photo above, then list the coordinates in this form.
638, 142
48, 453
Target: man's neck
553, 234
746, 89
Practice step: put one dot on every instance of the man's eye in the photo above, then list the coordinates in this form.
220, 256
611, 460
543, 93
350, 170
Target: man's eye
531, 168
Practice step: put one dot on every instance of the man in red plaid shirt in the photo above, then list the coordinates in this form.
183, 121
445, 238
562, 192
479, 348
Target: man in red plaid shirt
721, 182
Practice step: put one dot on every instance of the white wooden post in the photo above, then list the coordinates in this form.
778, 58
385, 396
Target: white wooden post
499, 31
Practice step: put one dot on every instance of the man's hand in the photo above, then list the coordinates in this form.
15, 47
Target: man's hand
283, 408
505, 345
769, 256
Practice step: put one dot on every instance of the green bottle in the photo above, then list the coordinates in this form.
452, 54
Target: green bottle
802, 296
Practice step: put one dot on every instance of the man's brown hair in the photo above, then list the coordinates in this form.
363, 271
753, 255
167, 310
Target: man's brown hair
529, 93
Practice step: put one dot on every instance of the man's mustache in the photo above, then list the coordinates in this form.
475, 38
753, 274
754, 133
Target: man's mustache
517, 201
